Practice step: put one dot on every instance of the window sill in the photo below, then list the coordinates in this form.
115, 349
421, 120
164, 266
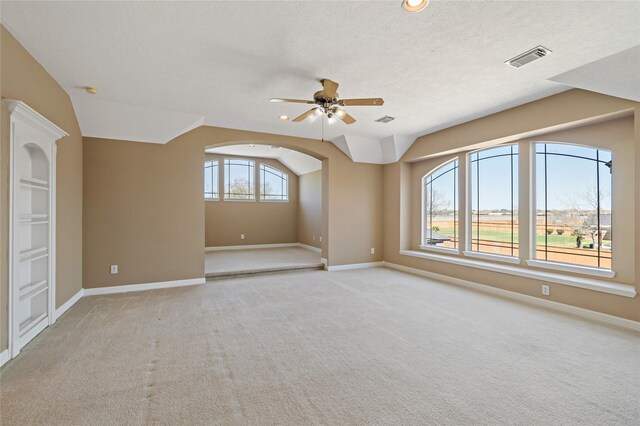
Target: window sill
212, 199
585, 283
440, 249
240, 200
273, 201
491, 256
597, 272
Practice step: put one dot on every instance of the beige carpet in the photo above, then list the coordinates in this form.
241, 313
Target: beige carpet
239, 261
351, 348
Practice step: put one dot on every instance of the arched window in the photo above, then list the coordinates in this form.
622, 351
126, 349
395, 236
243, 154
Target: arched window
274, 184
211, 180
238, 179
573, 205
493, 206
440, 207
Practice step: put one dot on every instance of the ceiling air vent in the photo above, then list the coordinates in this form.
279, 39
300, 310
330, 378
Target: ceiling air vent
528, 56
385, 119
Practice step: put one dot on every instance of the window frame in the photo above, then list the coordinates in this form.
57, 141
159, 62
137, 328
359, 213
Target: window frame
456, 199
527, 205
225, 196
217, 192
468, 214
532, 260
261, 184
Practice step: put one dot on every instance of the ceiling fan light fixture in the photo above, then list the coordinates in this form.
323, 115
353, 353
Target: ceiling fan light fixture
414, 6
283, 117
318, 112
331, 119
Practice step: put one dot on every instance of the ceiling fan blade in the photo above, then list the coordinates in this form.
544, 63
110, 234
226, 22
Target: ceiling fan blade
362, 102
329, 88
297, 101
342, 115
305, 115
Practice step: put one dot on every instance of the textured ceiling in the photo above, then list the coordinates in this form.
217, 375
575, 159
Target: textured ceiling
297, 162
616, 75
165, 67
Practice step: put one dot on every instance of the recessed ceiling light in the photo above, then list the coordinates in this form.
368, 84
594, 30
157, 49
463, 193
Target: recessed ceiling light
283, 117
251, 145
414, 5
91, 90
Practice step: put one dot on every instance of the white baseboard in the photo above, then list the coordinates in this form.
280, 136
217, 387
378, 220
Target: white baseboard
585, 313
4, 357
142, 287
312, 248
354, 266
68, 304
250, 247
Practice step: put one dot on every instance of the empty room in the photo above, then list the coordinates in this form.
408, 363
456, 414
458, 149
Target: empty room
320, 212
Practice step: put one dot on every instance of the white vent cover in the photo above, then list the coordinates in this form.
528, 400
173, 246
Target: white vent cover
385, 119
528, 56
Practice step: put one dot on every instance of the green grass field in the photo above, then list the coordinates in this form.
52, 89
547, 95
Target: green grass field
552, 240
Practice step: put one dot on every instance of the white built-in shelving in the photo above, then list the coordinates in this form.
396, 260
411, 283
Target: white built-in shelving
32, 223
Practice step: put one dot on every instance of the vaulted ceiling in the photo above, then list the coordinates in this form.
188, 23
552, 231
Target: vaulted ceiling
163, 68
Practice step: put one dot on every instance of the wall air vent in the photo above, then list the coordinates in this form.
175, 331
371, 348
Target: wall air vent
528, 56
385, 119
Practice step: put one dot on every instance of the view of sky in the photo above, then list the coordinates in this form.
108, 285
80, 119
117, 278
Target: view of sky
571, 182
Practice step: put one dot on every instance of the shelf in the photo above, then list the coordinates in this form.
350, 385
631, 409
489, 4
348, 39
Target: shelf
31, 290
29, 323
33, 183
34, 254
34, 221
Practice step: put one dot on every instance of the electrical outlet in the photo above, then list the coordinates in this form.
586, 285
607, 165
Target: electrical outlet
242, 236
545, 289
114, 269
373, 250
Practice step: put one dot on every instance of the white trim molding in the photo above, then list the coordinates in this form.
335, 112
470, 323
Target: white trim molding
354, 266
142, 287
585, 313
251, 247
580, 282
491, 256
312, 248
68, 304
4, 357
565, 267
436, 249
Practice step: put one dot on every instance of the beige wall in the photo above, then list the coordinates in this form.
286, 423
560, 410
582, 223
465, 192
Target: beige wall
261, 222
578, 108
24, 79
310, 209
144, 209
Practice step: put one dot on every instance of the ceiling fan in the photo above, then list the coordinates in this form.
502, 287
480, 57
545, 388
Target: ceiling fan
328, 102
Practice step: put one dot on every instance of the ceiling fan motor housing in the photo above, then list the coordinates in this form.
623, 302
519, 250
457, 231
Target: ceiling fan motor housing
321, 99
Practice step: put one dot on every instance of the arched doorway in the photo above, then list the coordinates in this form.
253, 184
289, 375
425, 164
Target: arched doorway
264, 209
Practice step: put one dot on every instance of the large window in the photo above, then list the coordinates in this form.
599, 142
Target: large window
440, 207
211, 180
573, 205
494, 200
274, 184
239, 176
